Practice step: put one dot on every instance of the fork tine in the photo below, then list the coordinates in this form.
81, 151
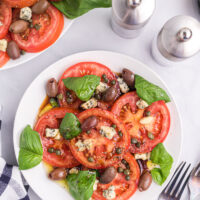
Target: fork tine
179, 170
180, 182
194, 171
183, 187
164, 190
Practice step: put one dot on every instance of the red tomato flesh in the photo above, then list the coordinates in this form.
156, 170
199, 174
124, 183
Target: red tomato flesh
79, 70
103, 150
126, 110
20, 3
5, 19
50, 27
52, 119
124, 189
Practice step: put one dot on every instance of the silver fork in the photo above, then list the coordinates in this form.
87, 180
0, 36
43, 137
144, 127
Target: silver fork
174, 189
194, 183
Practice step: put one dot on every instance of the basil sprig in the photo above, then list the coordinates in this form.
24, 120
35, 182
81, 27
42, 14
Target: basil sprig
31, 151
161, 157
70, 126
84, 87
81, 184
148, 91
75, 8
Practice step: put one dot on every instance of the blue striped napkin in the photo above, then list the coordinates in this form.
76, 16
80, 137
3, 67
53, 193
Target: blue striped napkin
12, 184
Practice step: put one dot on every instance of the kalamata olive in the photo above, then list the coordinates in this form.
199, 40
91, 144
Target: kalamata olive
145, 181
13, 50
40, 7
89, 123
110, 94
128, 77
19, 26
108, 175
58, 174
52, 87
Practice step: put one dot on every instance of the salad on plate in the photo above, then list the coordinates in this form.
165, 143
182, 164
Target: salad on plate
100, 133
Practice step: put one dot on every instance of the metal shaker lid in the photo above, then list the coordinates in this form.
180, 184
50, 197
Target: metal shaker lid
133, 14
179, 38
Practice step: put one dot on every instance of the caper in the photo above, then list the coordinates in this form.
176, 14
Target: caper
97, 96
134, 141
137, 145
148, 113
68, 93
58, 152
37, 27
69, 100
51, 150
105, 78
90, 159
113, 82
118, 150
53, 102
127, 166
124, 162
150, 136
127, 177
23, 52
126, 172
60, 96
31, 25
88, 132
120, 169
113, 125
120, 134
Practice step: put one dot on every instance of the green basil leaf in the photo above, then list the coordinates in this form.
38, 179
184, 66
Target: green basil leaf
84, 87
81, 184
70, 126
75, 8
31, 151
161, 157
149, 92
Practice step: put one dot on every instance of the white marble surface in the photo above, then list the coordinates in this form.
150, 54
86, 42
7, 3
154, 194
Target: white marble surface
92, 32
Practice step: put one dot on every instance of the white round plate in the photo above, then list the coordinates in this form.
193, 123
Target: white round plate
29, 56
35, 94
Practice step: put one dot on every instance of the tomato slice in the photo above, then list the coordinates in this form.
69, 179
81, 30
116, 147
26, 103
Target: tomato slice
50, 27
123, 189
4, 58
52, 119
5, 19
79, 70
103, 150
20, 3
125, 108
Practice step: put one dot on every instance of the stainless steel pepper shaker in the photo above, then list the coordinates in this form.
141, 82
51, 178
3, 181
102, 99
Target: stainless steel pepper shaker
130, 16
178, 40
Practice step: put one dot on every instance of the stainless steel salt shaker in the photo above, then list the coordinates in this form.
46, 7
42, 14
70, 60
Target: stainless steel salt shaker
130, 16
178, 40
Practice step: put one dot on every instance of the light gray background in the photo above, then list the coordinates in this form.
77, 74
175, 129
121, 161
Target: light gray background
92, 32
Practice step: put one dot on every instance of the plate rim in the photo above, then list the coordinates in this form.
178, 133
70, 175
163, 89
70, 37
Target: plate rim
137, 61
35, 55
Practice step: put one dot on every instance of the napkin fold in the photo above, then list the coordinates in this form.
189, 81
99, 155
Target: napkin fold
12, 184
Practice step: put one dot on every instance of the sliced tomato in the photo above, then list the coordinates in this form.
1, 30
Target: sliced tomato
103, 150
52, 119
79, 70
125, 108
4, 58
123, 189
50, 26
20, 3
5, 19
